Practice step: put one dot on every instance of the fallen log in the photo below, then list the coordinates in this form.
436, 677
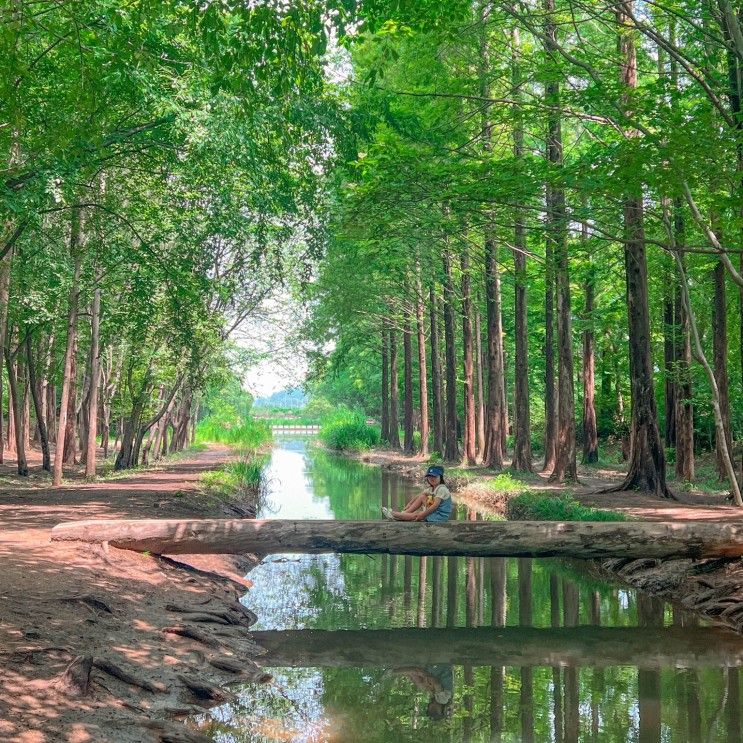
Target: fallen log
645, 648
581, 539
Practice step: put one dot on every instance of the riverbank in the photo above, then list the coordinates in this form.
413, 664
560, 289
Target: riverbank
713, 589
109, 645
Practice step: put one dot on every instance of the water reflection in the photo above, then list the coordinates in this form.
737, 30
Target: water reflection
510, 650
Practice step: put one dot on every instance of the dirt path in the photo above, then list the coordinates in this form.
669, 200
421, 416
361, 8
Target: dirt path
59, 602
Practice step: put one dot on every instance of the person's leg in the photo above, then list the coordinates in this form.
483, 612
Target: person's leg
414, 504
402, 516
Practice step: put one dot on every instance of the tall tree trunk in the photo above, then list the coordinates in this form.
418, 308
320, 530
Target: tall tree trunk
4, 296
422, 370
565, 468
407, 344
647, 467
95, 375
69, 454
385, 433
394, 393
451, 445
495, 414
590, 431
720, 351
74, 298
550, 392
438, 405
470, 449
522, 453
17, 413
40, 417
684, 406
480, 388
669, 364
26, 401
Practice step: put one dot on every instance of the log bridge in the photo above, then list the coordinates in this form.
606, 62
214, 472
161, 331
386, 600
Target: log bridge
579, 539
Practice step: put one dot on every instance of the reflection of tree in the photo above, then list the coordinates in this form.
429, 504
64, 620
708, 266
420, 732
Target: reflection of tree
437, 597
570, 607
526, 701
650, 614
732, 710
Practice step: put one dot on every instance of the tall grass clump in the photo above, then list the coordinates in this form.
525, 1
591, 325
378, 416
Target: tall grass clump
247, 434
531, 506
347, 430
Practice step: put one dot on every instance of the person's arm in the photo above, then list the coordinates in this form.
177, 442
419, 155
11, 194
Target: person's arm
428, 511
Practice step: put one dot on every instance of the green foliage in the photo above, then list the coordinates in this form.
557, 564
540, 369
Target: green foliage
241, 477
248, 434
347, 430
534, 506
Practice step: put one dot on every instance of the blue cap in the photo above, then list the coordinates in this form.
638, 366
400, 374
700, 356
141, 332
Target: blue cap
435, 471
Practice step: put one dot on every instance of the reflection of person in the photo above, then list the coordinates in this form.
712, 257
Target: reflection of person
438, 681
433, 506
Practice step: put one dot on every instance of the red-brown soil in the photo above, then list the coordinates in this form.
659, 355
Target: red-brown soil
63, 604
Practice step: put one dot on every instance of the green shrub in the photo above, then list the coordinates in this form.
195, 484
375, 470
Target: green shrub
239, 477
504, 483
347, 430
530, 506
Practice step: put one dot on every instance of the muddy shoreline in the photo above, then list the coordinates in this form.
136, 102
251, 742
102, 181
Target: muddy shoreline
711, 589
107, 645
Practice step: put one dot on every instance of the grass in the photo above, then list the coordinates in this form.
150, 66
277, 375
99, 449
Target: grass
347, 430
248, 434
531, 506
239, 477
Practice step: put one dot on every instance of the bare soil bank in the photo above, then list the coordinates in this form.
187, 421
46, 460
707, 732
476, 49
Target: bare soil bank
711, 588
109, 645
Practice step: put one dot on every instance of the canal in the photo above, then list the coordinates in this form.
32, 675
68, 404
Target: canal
393, 648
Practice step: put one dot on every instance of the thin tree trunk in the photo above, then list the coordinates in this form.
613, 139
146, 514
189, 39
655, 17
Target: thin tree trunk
394, 393
669, 359
385, 433
438, 406
422, 370
522, 454
407, 345
684, 406
95, 374
40, 417
720, 352
74, 298
647, 467
590, 431
480, 389
550, 392
26, 402
17, 413
69, 454
495, 414
565, 469
470, 449
451, 445
4, 296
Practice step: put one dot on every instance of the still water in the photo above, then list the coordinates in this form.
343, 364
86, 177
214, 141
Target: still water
393, 648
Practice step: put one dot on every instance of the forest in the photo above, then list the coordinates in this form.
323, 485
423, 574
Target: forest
514, 227
536, 250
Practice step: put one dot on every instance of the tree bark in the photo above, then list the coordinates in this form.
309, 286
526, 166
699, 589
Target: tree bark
46, 463
582, 539
69, 455
565, 469
495, 415
4, 297
17, 414
385, 422
451, 445
394, 393
438, 405
407, 344
720, 352
550, 391
647, 467
422, 370
470, 448
669, 359
480, 442
74, 298
522, 454
95, 374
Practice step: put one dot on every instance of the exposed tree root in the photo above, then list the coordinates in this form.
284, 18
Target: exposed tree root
75, 680
121, 674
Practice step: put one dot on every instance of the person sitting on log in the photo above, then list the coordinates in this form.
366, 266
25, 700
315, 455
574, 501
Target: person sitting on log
433, 506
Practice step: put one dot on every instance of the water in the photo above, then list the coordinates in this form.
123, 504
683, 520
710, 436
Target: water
393, 648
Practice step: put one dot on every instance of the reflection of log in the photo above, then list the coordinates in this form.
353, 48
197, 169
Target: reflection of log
585, 539
646, 647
